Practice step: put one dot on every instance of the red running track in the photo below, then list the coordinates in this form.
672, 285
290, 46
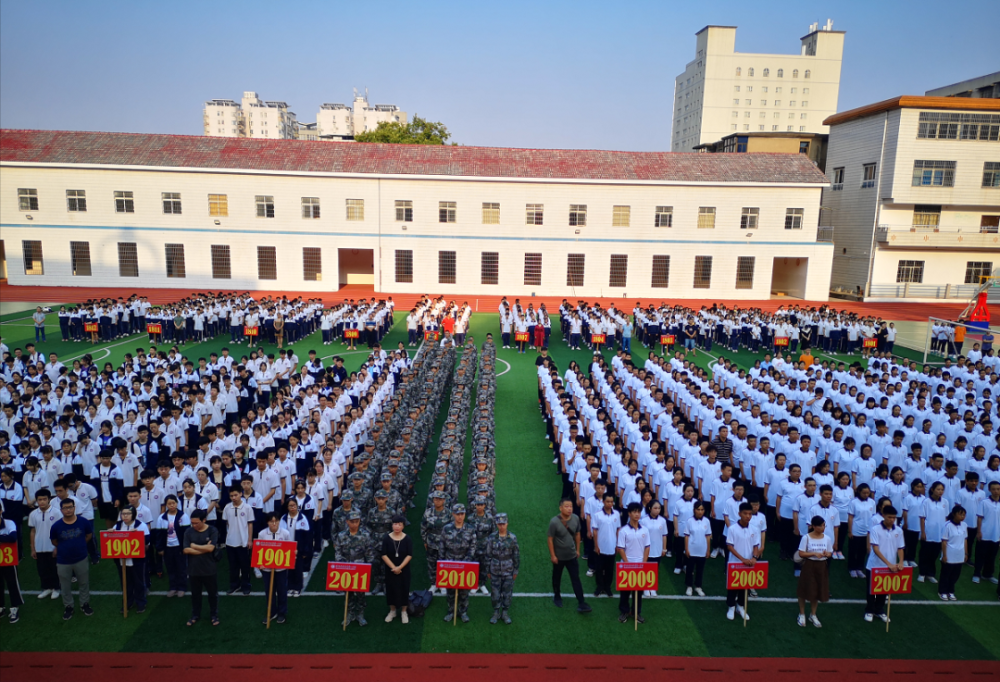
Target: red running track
155, 667
890, 311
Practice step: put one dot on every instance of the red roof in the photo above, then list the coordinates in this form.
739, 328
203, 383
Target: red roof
184, 151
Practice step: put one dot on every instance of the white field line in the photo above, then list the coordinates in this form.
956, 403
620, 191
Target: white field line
506, 370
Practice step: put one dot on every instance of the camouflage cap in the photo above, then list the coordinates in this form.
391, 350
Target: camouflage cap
479, 500
458, 508
354, 515
393, 463
369, 442
362, 457
482, 474
380, 494
438, 480
357, 476
482, 489
437, 495
386, 476
346, 496
501, 518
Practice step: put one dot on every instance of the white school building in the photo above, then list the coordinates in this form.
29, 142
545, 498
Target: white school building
131, 210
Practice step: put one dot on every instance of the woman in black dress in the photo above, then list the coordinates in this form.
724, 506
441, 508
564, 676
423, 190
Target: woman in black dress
397, 552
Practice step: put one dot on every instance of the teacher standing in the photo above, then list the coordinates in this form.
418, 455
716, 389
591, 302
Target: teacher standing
397, 552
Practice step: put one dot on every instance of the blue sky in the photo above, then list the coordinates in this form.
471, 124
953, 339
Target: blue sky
521, 74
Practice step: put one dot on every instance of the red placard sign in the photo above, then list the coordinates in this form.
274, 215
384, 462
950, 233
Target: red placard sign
273, 554
351, 333
431, 335
743, 577
250, 331
780, 340
667, 339
636, 576
123, 544
870, 343
91, 327
520, 337
154, 328
884, 581
598, 338
457, 575
346, 577
8, 554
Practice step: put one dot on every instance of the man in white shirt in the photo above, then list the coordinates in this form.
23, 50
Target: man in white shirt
633, 547
886, 551
743, 542
238, 517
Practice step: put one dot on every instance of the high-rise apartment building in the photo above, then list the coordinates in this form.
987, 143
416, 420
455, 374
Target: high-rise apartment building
341, 122
722, 91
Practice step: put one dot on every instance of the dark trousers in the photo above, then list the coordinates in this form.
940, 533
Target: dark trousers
279, 602
239, 568
47, 575
629, 600
856, 553
9, 576
929, 552
949, 577
604, 573
718, 532
789, 540
912, 538
695, 569
986, 558
875, 604
136, 583
176, 564
736, 598
573, 568
679, 559
209, 584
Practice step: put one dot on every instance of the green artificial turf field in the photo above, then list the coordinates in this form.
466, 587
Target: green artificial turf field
527, 488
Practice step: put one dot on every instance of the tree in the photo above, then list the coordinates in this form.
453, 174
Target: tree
418, 131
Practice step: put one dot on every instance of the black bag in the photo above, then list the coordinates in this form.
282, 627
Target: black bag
419, 602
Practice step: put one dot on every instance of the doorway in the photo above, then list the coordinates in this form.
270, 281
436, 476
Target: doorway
356, 266
788, 277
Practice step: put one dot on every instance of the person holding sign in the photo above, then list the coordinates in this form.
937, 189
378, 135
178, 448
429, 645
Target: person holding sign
354, 545
633, 547
457, 542
743, 542
815, 548
69, 536
8, 568
279, 595
886, 551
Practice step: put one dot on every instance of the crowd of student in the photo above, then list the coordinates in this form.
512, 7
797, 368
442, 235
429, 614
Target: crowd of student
888, 465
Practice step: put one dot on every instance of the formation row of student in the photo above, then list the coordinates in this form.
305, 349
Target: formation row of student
525, 328
439, 316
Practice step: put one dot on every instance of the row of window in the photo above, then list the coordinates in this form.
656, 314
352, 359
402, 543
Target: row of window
575, 269
534, 214
926, 173
763, 114
776, 103
767, 72
912, 271
939, 125
777, 91
174, 261
774, 128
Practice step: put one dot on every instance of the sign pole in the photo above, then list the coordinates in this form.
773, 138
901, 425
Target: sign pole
636, 599
347, 596
746, 598
270, 596
888, 605
454, 620
124, 587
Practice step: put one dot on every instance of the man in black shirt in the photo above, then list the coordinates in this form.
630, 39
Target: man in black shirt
200, 541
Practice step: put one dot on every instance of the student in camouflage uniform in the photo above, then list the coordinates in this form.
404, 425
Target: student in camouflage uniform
339, 522
354, 545
485, 526
457, 542
363, 500
503, 559
434, 521
379, 525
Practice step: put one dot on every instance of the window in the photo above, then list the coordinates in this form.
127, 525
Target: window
33, 264
781, 73
767, 72
991, 174
989, 224
748, 221
175, 261
222, 267
312, 264
355, 209
661, 272
868, 175
171, 203
76, 200
79, 256
533, 214
801, 116
777, 103
577, 215
750, 72
619, 270
446, 267
265, 206
706, 218
310, 207
404, 211
575, 263
838, 179
124, 202
739, 71
664, 216
910, 271
791, 104
793, 219
795, 73
447, 211
27, 199
404, 266
763, 103
702, 272
491, 213
807, 74
128, 259
933, 173
620, 216
532, 269
975, 270
926, 216
490, 267
805, 91
805, 105
267, 262
744, 272
803, 147
218, 205
935, 125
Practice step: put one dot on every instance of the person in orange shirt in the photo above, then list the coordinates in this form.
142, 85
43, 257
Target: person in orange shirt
807, 358
959, 338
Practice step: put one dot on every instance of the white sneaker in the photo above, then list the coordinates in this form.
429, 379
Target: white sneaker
868, 618
952, 597
44, 594
994, 580
390, 617
743, 614
590, 573
884, 618
257, 573
677, 571
484, 589
921, 579
55, 594
700, 592
932, 579
689, 591
731, 613
801, 621
815, 621
405, 617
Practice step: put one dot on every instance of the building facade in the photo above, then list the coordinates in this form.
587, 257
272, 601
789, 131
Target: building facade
813, 145
340, 122
914, 201
987, 86
106, 209
253, 118
722, 91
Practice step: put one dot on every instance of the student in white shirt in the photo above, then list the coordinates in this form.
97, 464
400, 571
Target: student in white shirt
743, 543
605, 525
954, 553
656, 524
169, 528
633, 547
697, 546
40, 521
279, 602
815, 549
238, 516
933, 517
886, 544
